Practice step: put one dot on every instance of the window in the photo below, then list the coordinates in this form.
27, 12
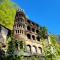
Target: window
33, 37
40, 50
37, 31
38, 38
28, 36
34, 49
28, 48
20, 20
20, 25
20, 31
33, 29
28, 28
16, 31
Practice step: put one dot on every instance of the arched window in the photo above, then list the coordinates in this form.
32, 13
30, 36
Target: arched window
37, 31
34, 49
38, 38
33, 30
28, 48
28, 36
33, 37
40, 50
28, 28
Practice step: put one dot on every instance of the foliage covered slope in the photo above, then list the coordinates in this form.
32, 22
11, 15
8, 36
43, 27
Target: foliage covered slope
7, 13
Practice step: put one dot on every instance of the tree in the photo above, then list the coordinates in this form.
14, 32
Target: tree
11, 49
51, 51
55, 44
43, 32
7, 13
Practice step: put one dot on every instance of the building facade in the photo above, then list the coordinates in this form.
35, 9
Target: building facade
27, 31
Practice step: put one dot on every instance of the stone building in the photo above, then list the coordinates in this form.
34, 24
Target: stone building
27, 31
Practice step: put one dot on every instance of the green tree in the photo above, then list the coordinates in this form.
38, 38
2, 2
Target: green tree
7, 13
49, 53
43, 32
55, 44
11, 49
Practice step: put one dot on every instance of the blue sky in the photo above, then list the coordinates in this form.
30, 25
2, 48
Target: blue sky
43, 12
